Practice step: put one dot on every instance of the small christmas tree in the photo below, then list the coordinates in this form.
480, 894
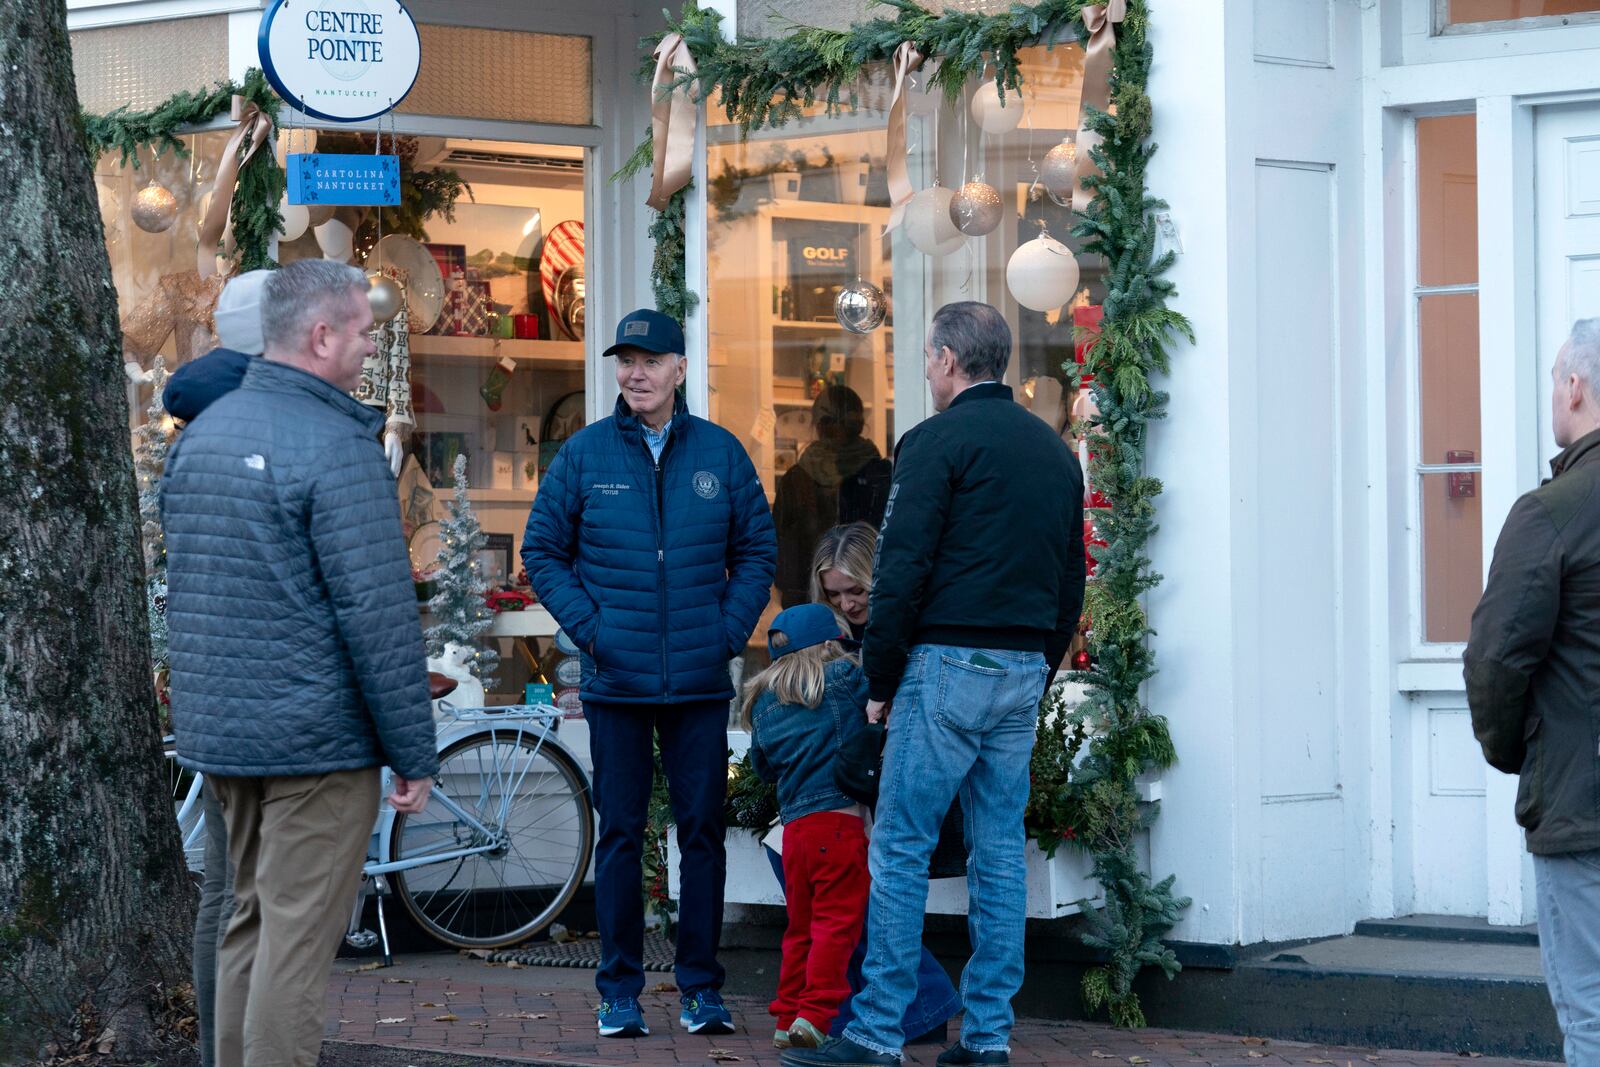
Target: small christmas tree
459, 612
151, 444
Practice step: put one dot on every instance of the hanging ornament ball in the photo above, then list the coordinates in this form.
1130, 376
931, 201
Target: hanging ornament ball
860, 307
295, 220
928, 225
318, 214
992, 113
155, 209
1042, 274
1081, 660
975, 209
385, 297
1059, 172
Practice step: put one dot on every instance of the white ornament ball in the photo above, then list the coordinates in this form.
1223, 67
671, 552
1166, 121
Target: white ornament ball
860, 307
1059, 172
928, 225
993, 114
295, 220
155, 209
1042, 274
976, 208
384, 296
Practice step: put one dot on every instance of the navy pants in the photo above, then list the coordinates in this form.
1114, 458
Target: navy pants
694, 754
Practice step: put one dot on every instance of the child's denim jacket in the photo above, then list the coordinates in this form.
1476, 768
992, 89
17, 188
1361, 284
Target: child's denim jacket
795, 746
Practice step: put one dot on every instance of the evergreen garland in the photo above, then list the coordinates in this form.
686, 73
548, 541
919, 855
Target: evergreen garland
261, 182
1092, 802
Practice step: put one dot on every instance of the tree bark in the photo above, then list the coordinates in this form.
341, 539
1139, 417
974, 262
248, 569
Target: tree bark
95, 902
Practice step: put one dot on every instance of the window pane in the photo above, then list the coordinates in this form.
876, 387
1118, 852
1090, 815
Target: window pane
1452, 554
1447, 325
797, 216
1447, 200
1462, 11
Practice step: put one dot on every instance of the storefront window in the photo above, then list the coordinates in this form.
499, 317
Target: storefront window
1449, 450
1466, 12
493, 360
797, 218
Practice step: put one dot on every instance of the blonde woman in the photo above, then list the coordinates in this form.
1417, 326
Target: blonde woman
841, 572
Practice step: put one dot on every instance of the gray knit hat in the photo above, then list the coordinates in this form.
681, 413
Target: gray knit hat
238, 314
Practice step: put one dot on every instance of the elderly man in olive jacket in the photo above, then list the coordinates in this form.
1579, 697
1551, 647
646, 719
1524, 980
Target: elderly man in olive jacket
1533, 683
297, 661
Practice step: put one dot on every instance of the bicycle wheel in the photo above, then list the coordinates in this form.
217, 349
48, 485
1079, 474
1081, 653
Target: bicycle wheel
183, 785
535, 801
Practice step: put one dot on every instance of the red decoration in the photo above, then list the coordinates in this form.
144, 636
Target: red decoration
1080, 660
1091, 536
1086, 318
508, 600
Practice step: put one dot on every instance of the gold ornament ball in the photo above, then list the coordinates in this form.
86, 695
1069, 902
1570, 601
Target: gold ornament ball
976, 208
155, 209
385, 297
1059, 172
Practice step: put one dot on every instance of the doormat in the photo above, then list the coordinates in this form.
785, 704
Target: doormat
658, 953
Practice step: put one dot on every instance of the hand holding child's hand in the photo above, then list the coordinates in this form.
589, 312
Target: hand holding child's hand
877, 710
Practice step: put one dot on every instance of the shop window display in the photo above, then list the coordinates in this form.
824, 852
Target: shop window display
817, 318
484, 358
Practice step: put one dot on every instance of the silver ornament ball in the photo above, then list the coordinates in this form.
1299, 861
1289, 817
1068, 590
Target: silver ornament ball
976, 208
861, 307
155, 209
1059, 172
384, 296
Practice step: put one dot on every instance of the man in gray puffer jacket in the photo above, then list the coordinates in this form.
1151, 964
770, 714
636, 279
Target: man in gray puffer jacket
297, 660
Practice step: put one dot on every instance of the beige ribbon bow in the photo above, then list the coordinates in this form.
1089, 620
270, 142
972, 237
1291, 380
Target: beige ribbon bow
1101, 21
672, 120
906, 60
253, 121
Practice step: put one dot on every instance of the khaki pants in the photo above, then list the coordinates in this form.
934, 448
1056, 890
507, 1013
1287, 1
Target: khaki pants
297, 845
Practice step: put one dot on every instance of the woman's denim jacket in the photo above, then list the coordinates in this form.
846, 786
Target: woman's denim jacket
795, 746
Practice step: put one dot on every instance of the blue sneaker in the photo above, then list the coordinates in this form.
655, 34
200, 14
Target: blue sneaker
622, 1018
703, 1013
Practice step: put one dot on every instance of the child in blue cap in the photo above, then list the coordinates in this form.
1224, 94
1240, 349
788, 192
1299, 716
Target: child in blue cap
801, 711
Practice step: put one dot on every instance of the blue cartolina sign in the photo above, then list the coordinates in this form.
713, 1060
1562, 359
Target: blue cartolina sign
342, 60
327, 178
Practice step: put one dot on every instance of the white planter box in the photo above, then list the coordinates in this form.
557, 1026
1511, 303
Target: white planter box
1055, 885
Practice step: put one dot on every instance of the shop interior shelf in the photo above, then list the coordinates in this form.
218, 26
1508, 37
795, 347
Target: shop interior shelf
501, 496
563, 354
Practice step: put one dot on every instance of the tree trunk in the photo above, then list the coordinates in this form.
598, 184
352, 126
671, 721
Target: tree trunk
95, 903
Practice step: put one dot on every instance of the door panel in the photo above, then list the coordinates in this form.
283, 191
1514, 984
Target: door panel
1567, 180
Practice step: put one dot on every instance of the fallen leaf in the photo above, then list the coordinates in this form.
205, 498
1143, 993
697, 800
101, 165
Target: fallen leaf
723, 1056
1318, 1060
451, 993
427, 1004
1137, 1059
343, 1021
447, 1017
106, 1042
523, 1015
399, 981
1371, 1059
478, 953
480, 1024
1252, 1041
400, 1019
1097, 1054
364, 967
663, 987
1256, 1055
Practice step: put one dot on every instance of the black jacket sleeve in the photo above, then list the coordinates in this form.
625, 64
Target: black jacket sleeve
1511, 631
1072, 582
914, 520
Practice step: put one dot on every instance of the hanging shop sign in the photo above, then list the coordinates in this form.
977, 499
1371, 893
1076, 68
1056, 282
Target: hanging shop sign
336, 179
340, 60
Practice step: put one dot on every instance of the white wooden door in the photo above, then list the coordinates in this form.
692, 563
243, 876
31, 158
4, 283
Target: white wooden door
1567, 178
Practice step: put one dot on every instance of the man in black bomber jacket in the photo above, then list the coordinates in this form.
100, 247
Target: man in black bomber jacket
976, 594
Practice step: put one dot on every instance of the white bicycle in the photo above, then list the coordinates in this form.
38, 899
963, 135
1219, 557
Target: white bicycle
501, 848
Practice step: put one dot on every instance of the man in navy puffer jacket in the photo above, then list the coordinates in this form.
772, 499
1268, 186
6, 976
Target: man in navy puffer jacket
651, 543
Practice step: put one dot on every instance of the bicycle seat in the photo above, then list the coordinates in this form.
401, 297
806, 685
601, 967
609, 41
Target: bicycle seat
440, 685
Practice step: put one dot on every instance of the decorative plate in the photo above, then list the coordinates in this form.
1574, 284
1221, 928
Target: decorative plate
425, 293
569, 672
563, 250
564, 419
566, 644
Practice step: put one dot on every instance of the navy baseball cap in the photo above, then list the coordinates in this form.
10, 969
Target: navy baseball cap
805, 625
649, 330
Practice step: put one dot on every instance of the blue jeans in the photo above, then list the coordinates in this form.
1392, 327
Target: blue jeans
936, 999
694, 754
1569, 942
955, 726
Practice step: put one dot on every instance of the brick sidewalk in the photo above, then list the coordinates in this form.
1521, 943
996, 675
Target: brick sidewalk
453, 1014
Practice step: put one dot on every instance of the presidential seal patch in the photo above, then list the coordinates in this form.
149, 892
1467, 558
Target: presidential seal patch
707, 485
